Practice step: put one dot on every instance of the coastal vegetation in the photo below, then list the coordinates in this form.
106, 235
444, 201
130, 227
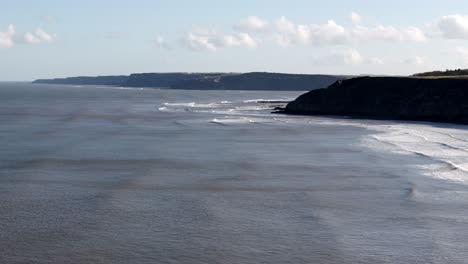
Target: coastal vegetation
457, 73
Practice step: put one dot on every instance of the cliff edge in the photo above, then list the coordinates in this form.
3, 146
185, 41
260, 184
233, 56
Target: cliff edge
398, 98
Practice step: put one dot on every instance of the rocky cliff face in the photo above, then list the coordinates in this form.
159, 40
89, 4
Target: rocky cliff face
443, 100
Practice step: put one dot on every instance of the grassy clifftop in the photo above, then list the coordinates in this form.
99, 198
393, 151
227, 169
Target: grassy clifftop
459, 73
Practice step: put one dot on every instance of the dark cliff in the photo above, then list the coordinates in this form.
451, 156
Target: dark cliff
447, 73
260, 81
84, 80
208, 81
400, 98
167, 80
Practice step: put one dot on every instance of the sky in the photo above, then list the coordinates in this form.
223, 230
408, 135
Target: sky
47, 38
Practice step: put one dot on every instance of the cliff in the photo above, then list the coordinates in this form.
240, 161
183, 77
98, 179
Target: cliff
446, 74
207, 81
84, 80
167, 80
260, 81
399, 98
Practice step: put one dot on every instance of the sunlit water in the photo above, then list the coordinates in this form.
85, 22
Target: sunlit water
109, 175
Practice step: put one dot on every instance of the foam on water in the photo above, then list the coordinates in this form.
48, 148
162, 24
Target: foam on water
448, 153
445, 146
232, 120
223, 107
268, 101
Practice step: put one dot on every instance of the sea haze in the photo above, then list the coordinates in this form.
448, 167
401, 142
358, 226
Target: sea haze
122, 175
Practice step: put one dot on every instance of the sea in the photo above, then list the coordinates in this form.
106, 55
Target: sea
93, 174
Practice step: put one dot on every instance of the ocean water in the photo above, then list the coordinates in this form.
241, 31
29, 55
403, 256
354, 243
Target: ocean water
115, 175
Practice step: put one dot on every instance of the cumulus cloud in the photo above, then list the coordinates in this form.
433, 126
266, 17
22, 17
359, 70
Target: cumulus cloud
353, 57
6, 37
252, 23
388, 33
287, 33
38, 36
212, 41
239, 40
201, 41
355, 18
251, 31
453, 26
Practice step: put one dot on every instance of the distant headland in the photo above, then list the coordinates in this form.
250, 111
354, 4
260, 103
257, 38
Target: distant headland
208, 81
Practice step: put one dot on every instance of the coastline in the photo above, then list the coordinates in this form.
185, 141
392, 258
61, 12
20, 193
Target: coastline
389, 98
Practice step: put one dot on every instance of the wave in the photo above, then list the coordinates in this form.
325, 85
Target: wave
444, 146
268, 101
197, 105
448, 154
233, 120
220, 107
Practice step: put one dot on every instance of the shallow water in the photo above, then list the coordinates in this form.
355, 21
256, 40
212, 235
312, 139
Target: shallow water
109, 175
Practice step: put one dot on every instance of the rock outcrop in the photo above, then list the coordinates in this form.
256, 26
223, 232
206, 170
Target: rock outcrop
398, 98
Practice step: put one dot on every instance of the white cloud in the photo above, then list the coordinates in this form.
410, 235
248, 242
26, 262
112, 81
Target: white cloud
413, 34
388, 33
453, 26
252, 23
328, 33
38, 36
200, 41
355, 18
6, 38
288, 33
239, 40
353, 57
253, 30
212, 41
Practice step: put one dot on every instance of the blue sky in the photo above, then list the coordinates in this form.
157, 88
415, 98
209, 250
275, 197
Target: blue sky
43, 39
